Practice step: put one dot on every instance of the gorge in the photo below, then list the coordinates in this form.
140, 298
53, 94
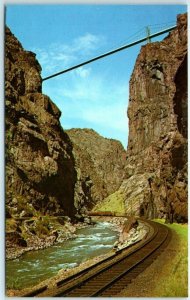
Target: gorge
53, 173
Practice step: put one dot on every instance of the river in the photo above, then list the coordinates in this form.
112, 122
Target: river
35, 266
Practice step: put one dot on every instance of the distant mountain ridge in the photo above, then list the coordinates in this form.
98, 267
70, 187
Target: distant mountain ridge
100, 162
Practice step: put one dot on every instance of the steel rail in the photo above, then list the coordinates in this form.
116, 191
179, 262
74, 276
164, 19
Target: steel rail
110, 52
130, 249
100, 282
132, 261
126, 272
108, 266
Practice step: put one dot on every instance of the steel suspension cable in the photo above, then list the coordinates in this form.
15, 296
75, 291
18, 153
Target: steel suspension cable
110, 53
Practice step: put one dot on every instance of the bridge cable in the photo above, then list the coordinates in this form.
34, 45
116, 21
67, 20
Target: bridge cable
110, 52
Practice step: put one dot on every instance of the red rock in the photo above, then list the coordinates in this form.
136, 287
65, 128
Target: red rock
158, 121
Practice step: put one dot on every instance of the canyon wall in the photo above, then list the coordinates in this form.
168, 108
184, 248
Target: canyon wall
157, 146
40, 168
49, 172
54, 172
100, 165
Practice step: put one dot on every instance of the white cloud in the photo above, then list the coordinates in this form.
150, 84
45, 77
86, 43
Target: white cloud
58, 56
86, 99
82, 89
83, 72
87, 43
63, 57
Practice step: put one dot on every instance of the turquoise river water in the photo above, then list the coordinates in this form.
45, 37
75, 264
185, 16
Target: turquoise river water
35, 266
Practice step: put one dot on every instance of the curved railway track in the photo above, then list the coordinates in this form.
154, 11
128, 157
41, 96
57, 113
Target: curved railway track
110, 276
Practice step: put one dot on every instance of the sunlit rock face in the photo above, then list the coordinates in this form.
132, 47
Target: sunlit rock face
157, 145
40, 169
100, 163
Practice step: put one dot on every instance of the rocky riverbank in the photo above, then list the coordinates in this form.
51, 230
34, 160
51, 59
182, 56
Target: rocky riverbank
135, 234
130, 230
34, 242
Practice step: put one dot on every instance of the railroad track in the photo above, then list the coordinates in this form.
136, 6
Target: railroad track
110, 276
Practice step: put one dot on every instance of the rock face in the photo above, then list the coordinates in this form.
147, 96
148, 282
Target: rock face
40, 169
45, 177
100, 164
157, 146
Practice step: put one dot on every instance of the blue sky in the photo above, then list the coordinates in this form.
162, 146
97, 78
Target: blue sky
96, 95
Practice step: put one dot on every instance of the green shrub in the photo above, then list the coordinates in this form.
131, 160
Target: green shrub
113, 203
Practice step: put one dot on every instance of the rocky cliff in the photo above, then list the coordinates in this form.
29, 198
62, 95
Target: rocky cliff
40, 168
100, 163
157, 145
45, 176
39, 161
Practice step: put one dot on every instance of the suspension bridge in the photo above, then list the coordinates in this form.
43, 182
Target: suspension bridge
147, 38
